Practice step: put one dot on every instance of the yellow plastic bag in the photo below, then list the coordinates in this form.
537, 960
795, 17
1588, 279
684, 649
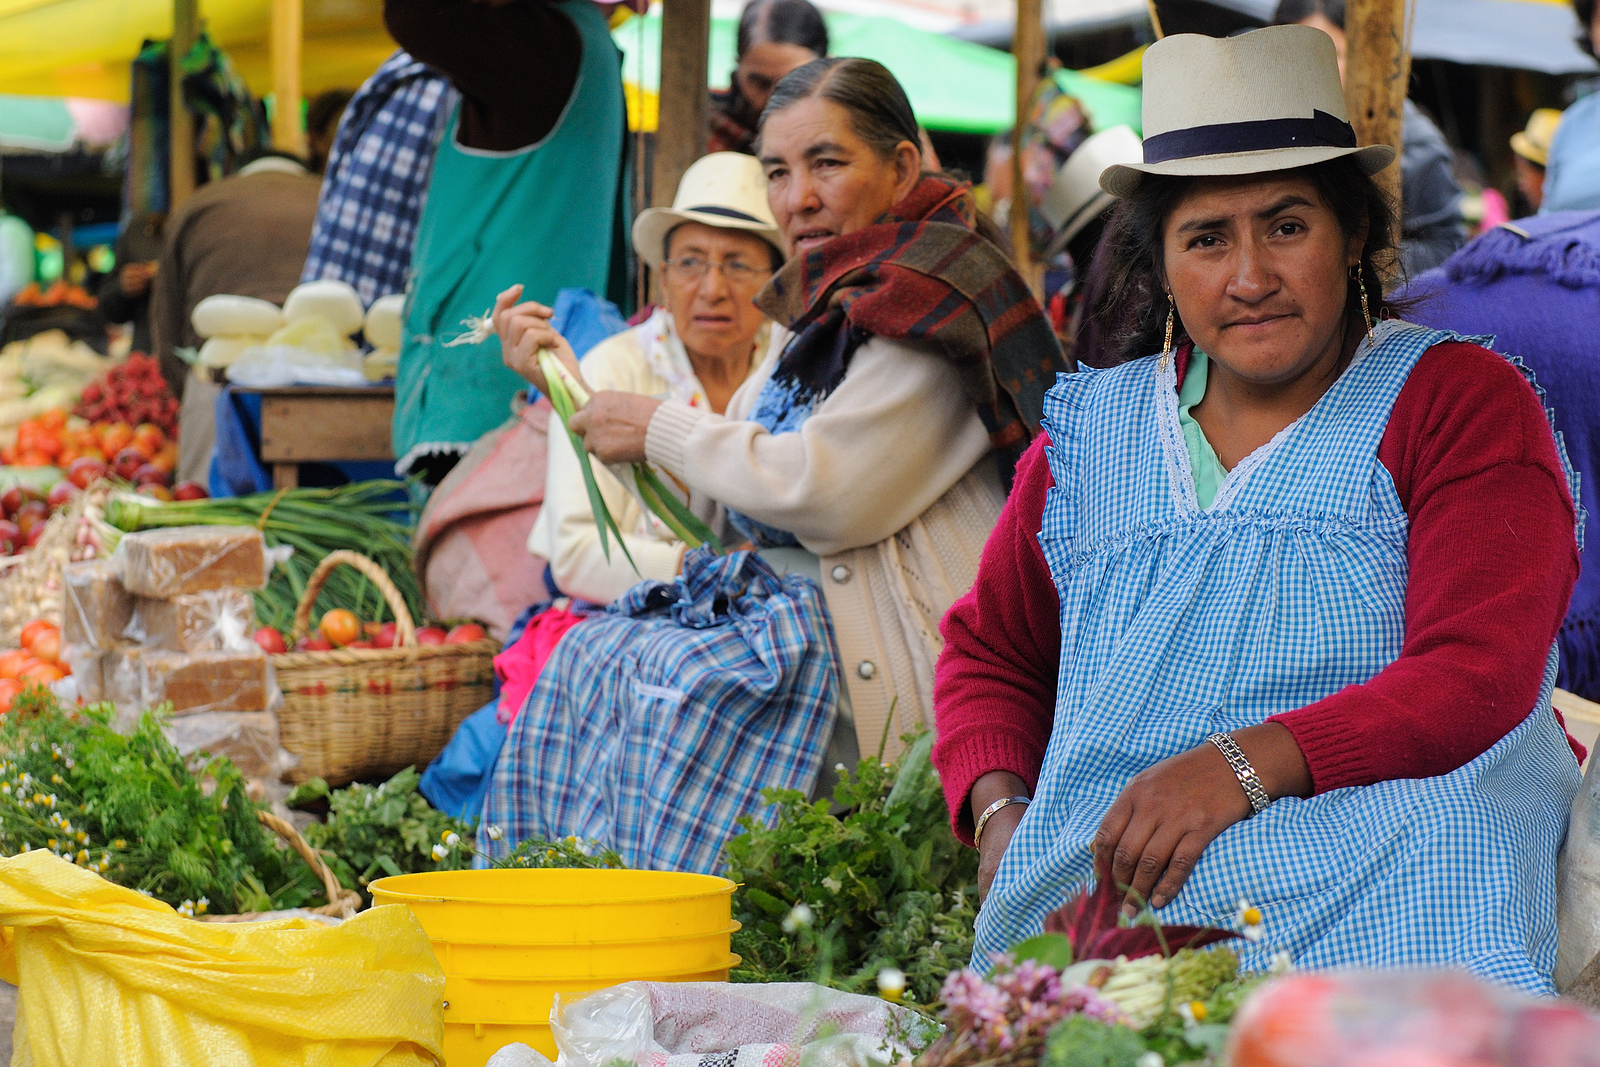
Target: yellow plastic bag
108, 976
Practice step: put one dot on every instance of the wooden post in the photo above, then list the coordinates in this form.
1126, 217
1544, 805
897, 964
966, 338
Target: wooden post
180, 157
1028, 46
1377, 74
285, 42
685, 101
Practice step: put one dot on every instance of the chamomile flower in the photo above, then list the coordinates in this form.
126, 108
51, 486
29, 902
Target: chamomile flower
1193, 1012
494, 833
1248, 917
832, 885
891, 983
1282, 963
799, 916
1151, 1059
440, 852
451, 840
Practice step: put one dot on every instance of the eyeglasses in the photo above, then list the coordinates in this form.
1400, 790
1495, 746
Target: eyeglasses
694, 269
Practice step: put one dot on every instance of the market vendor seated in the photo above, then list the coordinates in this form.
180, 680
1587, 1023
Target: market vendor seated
872, 455
1269, 616
715, 247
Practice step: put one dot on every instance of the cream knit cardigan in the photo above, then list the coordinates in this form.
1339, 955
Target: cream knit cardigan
889, 482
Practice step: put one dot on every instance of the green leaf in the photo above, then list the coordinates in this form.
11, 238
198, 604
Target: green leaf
1052, 949
672, 511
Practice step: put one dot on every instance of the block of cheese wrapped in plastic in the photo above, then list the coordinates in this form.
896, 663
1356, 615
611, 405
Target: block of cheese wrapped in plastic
192, 559
249, 739
218, 620
95, 606
206, 681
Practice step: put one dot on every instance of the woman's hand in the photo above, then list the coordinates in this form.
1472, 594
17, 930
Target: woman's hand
997, 832
613, 425
1156, 830
524, 330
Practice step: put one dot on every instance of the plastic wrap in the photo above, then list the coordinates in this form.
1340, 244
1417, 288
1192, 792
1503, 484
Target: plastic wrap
1407, 1019
138, 679
682, 1024
192, 559
1578, 884
249, 739
88, 670
95, 606
218, 620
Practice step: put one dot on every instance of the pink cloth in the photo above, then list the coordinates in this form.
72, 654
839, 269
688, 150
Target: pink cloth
518, 667
1495, 211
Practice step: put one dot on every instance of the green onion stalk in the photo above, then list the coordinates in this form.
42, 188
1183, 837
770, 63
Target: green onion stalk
363, 517
567, 396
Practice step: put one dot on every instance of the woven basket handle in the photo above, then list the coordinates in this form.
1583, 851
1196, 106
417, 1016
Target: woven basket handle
405, 629
347, 902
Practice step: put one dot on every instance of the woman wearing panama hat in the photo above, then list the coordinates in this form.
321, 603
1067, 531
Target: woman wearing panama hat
714, 248
1269, 615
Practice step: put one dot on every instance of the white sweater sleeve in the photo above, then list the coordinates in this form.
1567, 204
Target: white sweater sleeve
565, 532
896, 434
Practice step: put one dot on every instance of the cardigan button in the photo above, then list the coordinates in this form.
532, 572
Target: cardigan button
867, 670
841, 574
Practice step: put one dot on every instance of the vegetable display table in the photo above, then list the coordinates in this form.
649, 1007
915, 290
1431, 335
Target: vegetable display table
323, 424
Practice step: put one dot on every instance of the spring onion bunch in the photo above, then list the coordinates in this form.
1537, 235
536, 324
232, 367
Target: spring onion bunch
567, 396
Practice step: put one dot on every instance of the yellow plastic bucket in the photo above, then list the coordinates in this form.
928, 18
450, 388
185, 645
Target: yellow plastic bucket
509, 940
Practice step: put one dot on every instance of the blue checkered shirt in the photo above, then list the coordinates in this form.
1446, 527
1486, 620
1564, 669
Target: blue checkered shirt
655, 726
377, 176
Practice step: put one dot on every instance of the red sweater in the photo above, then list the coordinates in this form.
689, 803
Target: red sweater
1493, 557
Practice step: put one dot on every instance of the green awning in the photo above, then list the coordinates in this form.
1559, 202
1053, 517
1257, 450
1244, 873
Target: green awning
954, 85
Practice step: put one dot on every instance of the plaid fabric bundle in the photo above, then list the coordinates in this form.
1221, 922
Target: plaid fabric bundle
655, 726
377, 175
922, 273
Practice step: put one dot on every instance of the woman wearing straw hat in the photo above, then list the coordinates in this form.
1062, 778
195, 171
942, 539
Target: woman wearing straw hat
873, 454
1269, 616
715, 247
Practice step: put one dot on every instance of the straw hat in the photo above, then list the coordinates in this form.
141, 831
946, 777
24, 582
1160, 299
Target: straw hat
1075, 198
1533, 143
1264, 101
727, 190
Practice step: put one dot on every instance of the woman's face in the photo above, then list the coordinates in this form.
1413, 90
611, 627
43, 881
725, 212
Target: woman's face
714, 309
1258, 267
764, 65
823, 180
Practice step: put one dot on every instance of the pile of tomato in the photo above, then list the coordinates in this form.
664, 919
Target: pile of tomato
341, 629
55, 439
37, 662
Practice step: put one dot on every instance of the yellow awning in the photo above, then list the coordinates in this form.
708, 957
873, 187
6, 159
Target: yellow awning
84, 47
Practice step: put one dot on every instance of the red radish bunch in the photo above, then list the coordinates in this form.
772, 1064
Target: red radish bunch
131, 392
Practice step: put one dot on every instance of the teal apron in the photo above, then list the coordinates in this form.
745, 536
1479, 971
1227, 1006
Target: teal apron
548, 216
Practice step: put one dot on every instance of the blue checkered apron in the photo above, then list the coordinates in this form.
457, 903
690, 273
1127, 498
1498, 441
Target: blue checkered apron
1177, 623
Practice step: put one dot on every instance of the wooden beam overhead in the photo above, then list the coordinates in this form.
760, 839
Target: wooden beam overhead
1377, 74
1028, 46
286, 40
180, 157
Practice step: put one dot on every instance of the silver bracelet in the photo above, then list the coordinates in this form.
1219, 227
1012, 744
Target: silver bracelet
1242, 770
983, 820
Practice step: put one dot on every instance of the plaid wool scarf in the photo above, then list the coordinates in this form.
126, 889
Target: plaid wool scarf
923, 273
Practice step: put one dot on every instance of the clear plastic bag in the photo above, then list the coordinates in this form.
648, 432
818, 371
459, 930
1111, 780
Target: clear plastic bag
192, 559
1407, 1019
677, 1024
218, 620
143, 678
249, 739
95, 605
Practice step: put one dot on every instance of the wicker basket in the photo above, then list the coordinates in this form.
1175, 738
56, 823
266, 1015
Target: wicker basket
366, 713
342, 902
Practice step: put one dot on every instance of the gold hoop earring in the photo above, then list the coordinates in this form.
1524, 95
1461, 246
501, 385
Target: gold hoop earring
1361, 287
1166, 346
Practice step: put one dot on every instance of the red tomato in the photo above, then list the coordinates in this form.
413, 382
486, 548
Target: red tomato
1286, 1023
149, 439
60, 495
85, 472
363, 643
33, 513
150, 474
341, 626
386, 636
465, 634
115, 438
10, 689
127, 463
271, 641
315, 643
431, 635
46, 645
189, 491
45, 674
32, 629
12, 662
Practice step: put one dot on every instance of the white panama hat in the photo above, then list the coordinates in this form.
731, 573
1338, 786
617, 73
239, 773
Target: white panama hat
1075, 198
1264, 101
727, 190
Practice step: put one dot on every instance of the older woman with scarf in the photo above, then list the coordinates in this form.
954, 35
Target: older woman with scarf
875, 453
1269, 614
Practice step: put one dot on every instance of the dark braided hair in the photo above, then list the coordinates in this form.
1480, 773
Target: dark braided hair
1132, 313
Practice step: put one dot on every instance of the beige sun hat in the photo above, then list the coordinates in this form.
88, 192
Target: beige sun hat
727, 190
1533, 143
1075, 198
1263, 101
